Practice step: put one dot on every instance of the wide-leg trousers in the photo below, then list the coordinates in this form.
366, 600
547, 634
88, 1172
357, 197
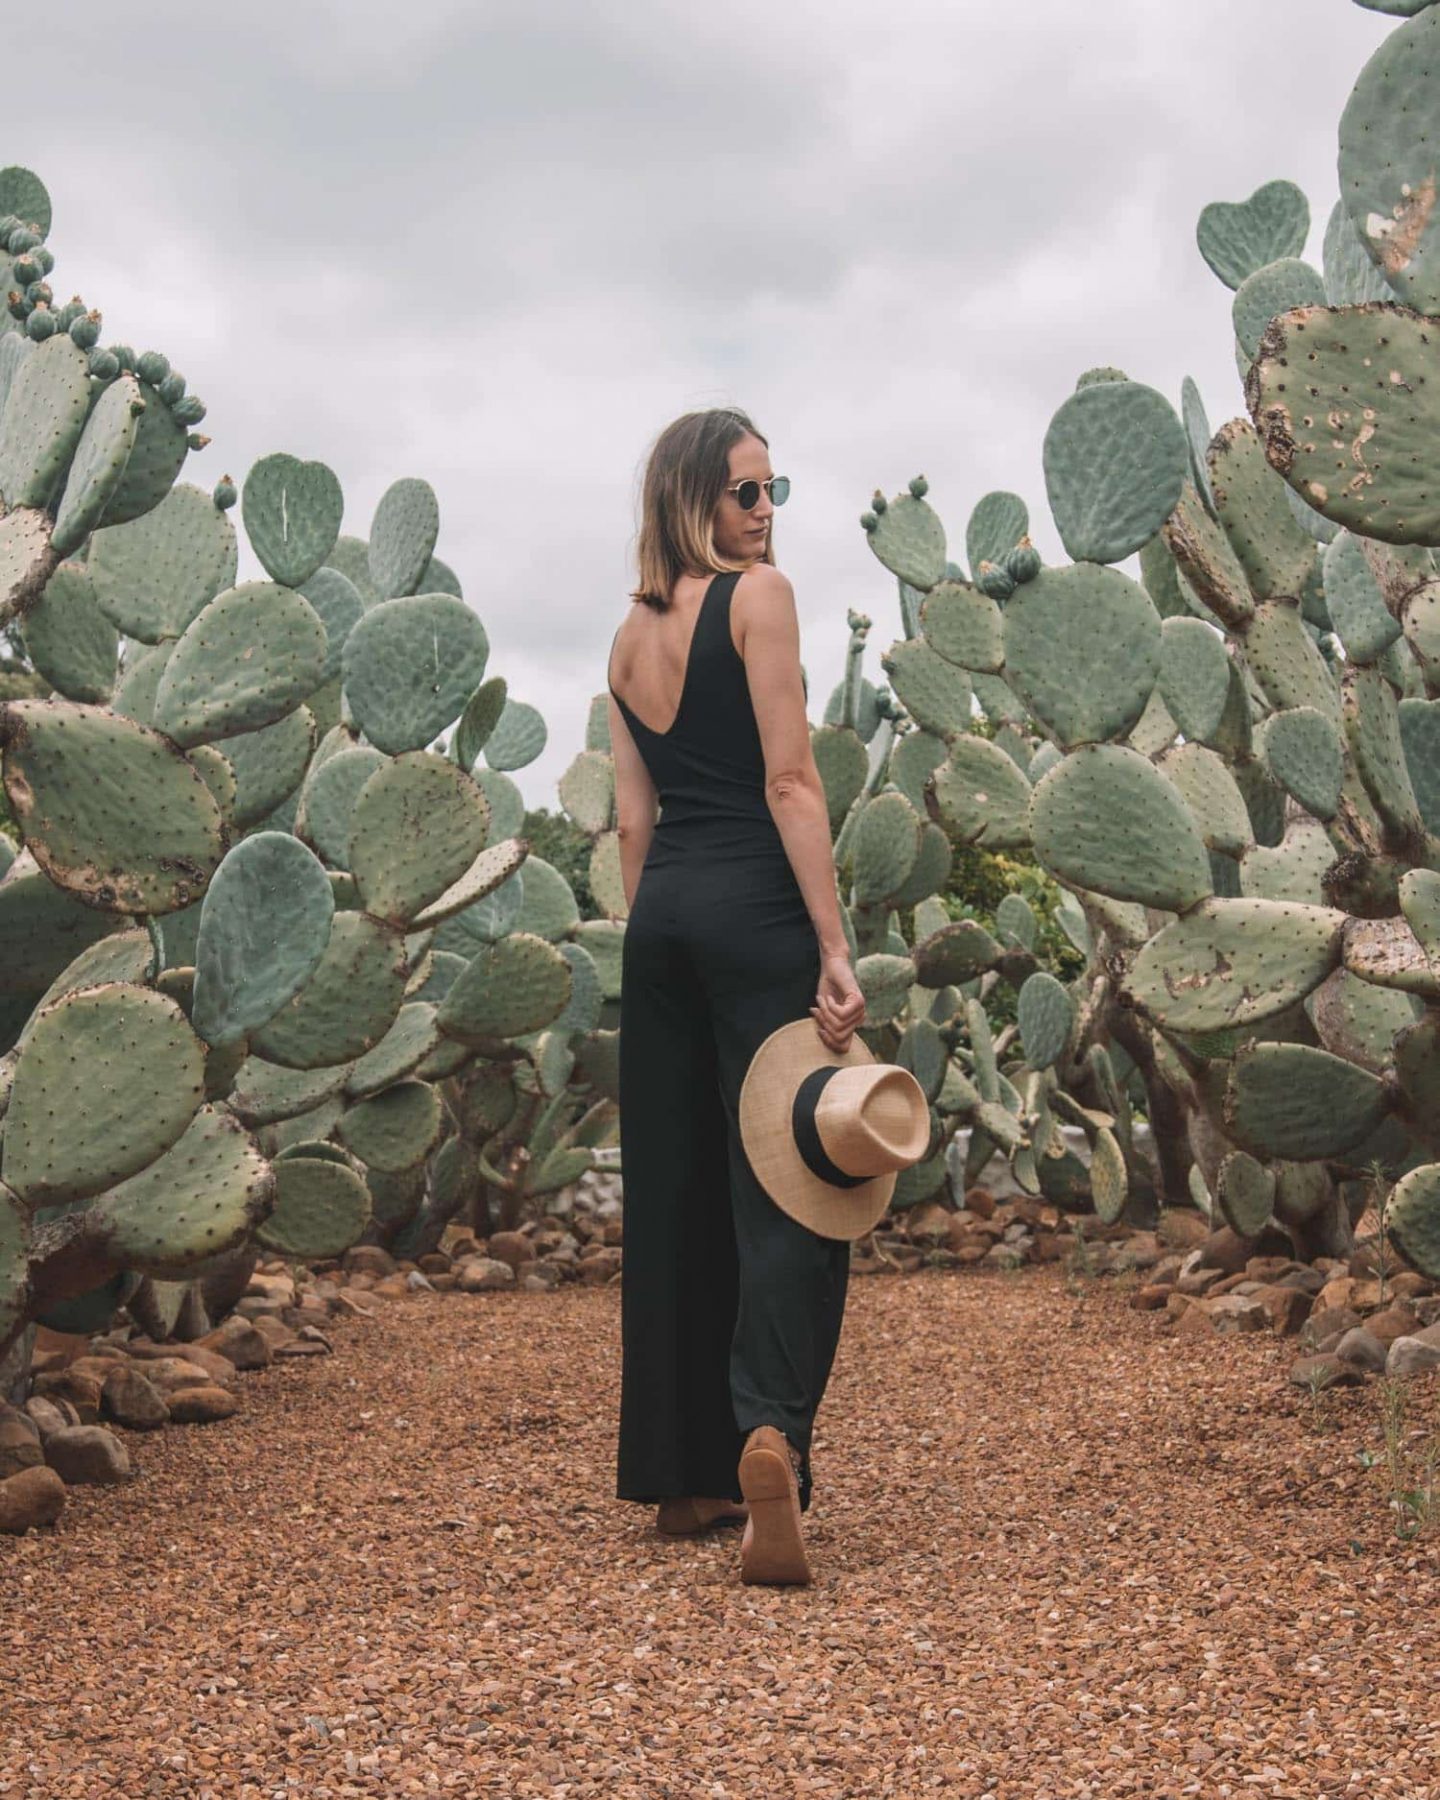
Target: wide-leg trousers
730, 1309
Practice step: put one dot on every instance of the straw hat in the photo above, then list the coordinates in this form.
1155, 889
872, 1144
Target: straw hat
827, 1135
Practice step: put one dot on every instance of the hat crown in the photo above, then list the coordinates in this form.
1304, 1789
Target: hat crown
873, 1118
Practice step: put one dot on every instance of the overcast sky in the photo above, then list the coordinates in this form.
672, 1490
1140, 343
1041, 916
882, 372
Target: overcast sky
500, 245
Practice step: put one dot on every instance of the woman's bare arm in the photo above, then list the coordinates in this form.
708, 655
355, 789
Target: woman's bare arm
769, 631
635, 802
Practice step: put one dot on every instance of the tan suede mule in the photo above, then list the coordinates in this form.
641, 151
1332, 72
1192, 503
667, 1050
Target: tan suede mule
773, 1547
687, 1516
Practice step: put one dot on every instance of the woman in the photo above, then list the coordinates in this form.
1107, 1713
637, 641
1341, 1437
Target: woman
730, 1309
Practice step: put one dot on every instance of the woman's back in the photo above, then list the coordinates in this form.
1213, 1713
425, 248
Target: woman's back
707, 765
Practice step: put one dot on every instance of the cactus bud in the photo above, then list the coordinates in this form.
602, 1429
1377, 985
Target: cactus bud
869, 520
11, 222
878, 501
171, 388
16, 304
225, 493
85, 331
188, 410
27, 270
153, 367
124, 355
1023, 562
196, 440
40, 324
47, 257
21, 239
919, 487
103, 365
38, 293
991, 579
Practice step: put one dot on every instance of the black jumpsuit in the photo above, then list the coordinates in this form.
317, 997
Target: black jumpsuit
730, 1309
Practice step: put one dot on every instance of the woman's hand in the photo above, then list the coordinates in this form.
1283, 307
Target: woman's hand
839, 1005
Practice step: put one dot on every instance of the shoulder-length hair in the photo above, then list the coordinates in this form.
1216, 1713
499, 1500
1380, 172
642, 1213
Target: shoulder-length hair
688, 470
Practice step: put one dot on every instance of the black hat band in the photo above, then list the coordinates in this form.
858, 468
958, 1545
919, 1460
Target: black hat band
807, 1133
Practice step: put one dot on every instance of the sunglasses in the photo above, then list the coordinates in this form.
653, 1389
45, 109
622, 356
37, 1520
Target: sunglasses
748, 492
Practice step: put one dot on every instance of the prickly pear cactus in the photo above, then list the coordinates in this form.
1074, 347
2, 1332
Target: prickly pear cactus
1233, 765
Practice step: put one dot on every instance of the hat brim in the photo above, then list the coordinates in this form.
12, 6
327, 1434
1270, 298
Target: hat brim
767, 1096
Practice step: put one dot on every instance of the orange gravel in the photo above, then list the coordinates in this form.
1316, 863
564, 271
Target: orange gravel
1060, 1554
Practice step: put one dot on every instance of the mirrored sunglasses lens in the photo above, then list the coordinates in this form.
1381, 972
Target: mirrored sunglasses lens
780, 490
748, 494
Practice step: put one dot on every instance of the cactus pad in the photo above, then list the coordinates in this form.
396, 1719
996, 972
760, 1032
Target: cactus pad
1275, 288
1234, 962
489, 870
42, 422
399, 1053
1348, 416
248, 658
1305, 755
1291, 1101
348, 1004
321, 1208
964, 626
981, 797
393, 1130
269, 765
1245, 1191
204, 1196
1116, 459
155, 574
1194, 677
99, 463
327, 800
121, 1072
1388, 132
512, 987
292, 513
1106, 819
252, 957
402, 539
410, 665
69, 640
112, 812
1047, 1016
1237, 238
418, 824
1082, 649
264, 1093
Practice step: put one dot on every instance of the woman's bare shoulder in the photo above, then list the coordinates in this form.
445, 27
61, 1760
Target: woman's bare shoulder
764, 581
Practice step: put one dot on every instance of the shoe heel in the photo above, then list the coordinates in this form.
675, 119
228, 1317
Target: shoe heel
777, 1548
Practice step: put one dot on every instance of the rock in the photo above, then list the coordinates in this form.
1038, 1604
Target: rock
1150, 1298
435, 1262
1322, 1331
927, 1223
130, 1399
271, 1287
1001, 1256
980, 1201
418, 1283
368, 1259
1324, 1371
512, 1247
1141, 1250
1394, 1322
1195, 1322
1412, 1356
82, 1391
1235, 1312
614, 1232
313, 1309
444, 1284
259, 1307
352, 1306
168, 1374
480, 1274
1182, 1229
1363, 1348
1410, 1284
1196, 1282
1337, 1292
394, 1286
600, 1266
50, 1415
1226, 1251
201, 1405
1287, 1307
33, 1496
88, 1454
19, 1441
239, 1343
274, 1331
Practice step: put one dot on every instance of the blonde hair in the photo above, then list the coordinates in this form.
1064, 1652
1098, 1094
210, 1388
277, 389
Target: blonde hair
687, 472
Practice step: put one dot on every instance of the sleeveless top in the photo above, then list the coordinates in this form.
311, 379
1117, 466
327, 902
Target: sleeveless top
709, 767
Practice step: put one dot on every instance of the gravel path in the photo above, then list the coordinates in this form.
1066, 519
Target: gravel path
1058, 1554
